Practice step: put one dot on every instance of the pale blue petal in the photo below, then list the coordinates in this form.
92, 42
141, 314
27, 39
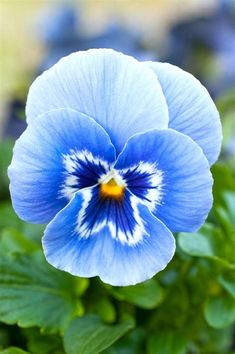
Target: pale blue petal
170, 173
191, 109
74, 242
120, 93
60, 153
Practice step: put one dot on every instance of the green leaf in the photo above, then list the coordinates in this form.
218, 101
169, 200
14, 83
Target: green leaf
33, 232
146, 295
167, 343
8, 217
32, 293
104, 308
220, 311
13, 350
228, 283
225, 216
5, 158
39, 343
12, 240
81, 285
223, 181
226, 102
132, 343
223, 219
9, 220
197, 244
88, 335
229, 198
208, 242
4, 336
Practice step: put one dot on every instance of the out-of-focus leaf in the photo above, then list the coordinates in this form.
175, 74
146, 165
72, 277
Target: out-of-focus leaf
197, 244
8, 217
229, 198
175, 308
231, 163
208, 242
33, 232
81, 285
226, 214
226, 102
88, 335
104, 308
167, 343
4, 338
12, 241
13, 350
133, 343
32, 293
227, 281
146, 295
228, 127
38, 343
226, 106
214, 341
6, 147
223, 219
220, 311
224, 180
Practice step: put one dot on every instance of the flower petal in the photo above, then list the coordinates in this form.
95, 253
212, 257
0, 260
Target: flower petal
191, 109
174, 176
120, 93
87, 239
59, 153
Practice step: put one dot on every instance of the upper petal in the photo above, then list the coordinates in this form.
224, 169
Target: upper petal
191, 109
123, 243
60, 153
120, 93
169, 172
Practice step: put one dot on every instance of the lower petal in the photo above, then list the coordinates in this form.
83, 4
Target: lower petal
99, 252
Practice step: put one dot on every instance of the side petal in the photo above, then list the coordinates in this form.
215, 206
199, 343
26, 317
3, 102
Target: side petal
120, 93
60, 153
191, 109
171, 171
91, 247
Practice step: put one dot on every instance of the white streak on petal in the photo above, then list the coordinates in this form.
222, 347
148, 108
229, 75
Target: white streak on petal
155, 178
128, 236
82, 228
72, 164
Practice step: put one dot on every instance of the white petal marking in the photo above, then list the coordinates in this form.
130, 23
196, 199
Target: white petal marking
154, 193
72, 164
129, 237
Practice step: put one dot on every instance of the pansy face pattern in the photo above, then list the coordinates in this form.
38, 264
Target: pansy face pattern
116, 157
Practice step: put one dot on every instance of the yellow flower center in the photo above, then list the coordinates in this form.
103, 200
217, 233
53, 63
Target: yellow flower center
111, 189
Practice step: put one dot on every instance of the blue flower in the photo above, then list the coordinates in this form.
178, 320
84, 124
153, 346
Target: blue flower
115, 158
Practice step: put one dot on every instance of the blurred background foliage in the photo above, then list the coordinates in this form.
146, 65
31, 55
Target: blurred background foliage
189, 308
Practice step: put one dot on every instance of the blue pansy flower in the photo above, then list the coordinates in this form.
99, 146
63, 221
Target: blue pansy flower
116, 157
